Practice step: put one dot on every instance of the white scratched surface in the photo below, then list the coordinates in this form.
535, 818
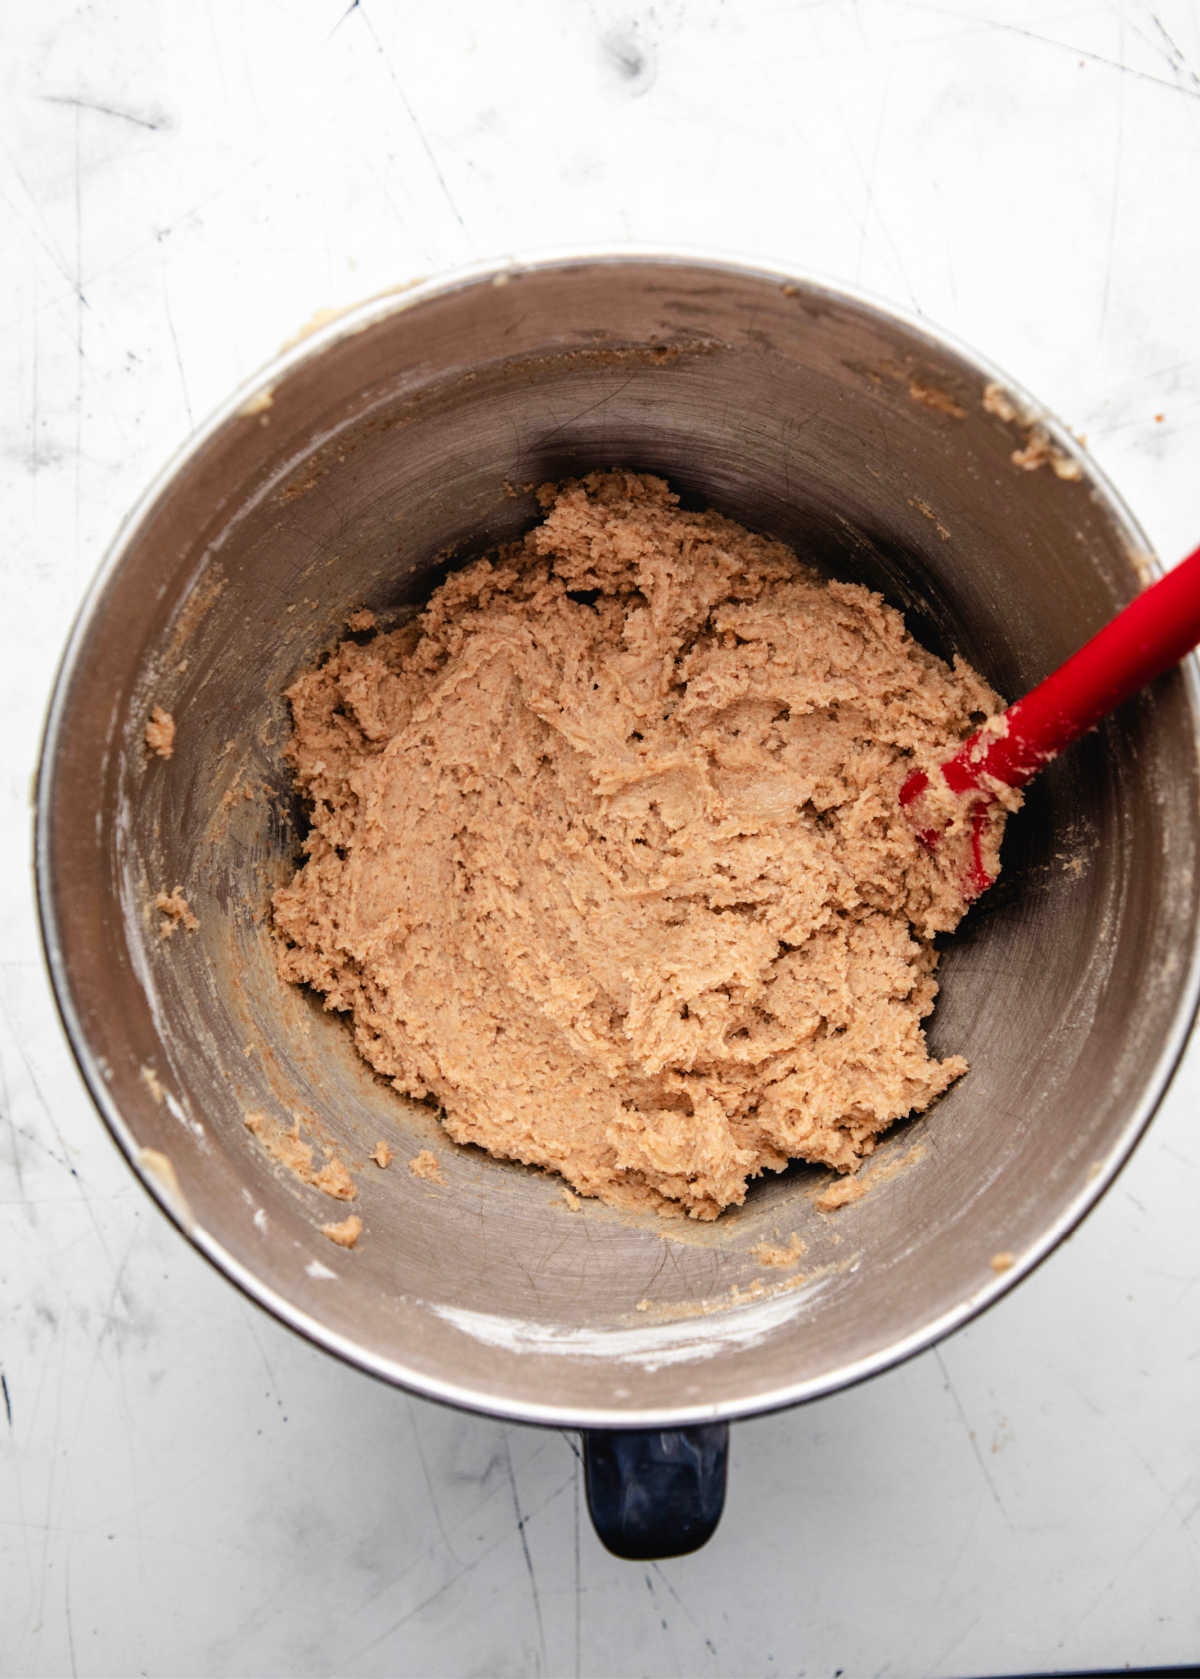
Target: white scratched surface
184, 1487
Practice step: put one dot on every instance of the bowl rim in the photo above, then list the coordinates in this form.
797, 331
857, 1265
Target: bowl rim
308, 345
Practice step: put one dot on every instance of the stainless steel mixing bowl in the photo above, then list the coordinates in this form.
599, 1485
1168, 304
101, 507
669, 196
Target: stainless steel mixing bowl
407, 434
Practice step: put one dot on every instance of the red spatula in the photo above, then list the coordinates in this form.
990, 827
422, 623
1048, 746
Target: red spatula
1149, 636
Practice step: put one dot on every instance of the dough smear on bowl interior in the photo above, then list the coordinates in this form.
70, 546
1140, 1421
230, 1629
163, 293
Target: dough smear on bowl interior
607, 856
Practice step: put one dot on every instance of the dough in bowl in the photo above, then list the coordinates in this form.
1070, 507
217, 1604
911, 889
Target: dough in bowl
607, 858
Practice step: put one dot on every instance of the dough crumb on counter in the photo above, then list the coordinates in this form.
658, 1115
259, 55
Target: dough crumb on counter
175, 911
425, 1165
607, 856
572, 1200
843, 1193
363, 619
382, 1155
1003, 1261
782, 1255
160, 732
346, 1232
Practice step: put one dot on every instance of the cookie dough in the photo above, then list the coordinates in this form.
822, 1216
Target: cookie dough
175, 912
781, 1255
425, 1165
285, 1145
160, 732
346, 1232
607, 859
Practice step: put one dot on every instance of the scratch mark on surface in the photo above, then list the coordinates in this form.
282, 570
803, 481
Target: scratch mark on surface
6, 1106
448, 1585
970, 1434
708, 1643
78, 343
871, 201
35, 1086
187, 403
42, 240
609, 396
49, 1526
430, 1485
656, 1273
412, 117
1066, 46
248, 1317
34, 418
1121, 1574
425, 1603
1115, 190
76, 103
869, 204
218, 56
533, 1585
70, 1623
7, 1399
352, 7
24, 1527
1174, 52
956, 1642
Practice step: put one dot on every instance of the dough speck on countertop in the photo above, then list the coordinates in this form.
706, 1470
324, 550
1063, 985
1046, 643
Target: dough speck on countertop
607, 857
381, 1154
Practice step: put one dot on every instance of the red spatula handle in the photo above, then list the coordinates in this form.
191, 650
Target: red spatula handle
1149, 636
